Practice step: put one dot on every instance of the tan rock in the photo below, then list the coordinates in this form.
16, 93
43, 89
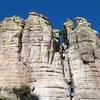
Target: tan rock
27, 48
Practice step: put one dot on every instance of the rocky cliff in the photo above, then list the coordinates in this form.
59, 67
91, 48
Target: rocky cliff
30, 53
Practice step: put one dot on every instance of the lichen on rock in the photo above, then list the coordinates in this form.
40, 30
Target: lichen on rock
30, 53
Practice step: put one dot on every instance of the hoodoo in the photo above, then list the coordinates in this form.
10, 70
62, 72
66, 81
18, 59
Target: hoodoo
59, 64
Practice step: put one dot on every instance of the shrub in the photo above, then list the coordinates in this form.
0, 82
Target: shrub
33, 97
62, 32
3, 98
24, 93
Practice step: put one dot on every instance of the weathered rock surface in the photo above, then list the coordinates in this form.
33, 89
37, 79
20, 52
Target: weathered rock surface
24, 57
83, 60
30, 54
11, 71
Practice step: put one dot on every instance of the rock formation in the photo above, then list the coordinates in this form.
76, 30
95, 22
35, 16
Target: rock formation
30, 53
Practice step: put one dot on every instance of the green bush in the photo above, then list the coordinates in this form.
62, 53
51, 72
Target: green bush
3, 98
33, 97
62, 32
24, 93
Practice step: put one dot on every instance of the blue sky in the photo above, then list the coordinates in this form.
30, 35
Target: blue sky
56, 10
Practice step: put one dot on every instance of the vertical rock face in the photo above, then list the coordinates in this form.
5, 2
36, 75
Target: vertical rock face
28, 46
83, 61
11, 71
48, 79
30, 53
